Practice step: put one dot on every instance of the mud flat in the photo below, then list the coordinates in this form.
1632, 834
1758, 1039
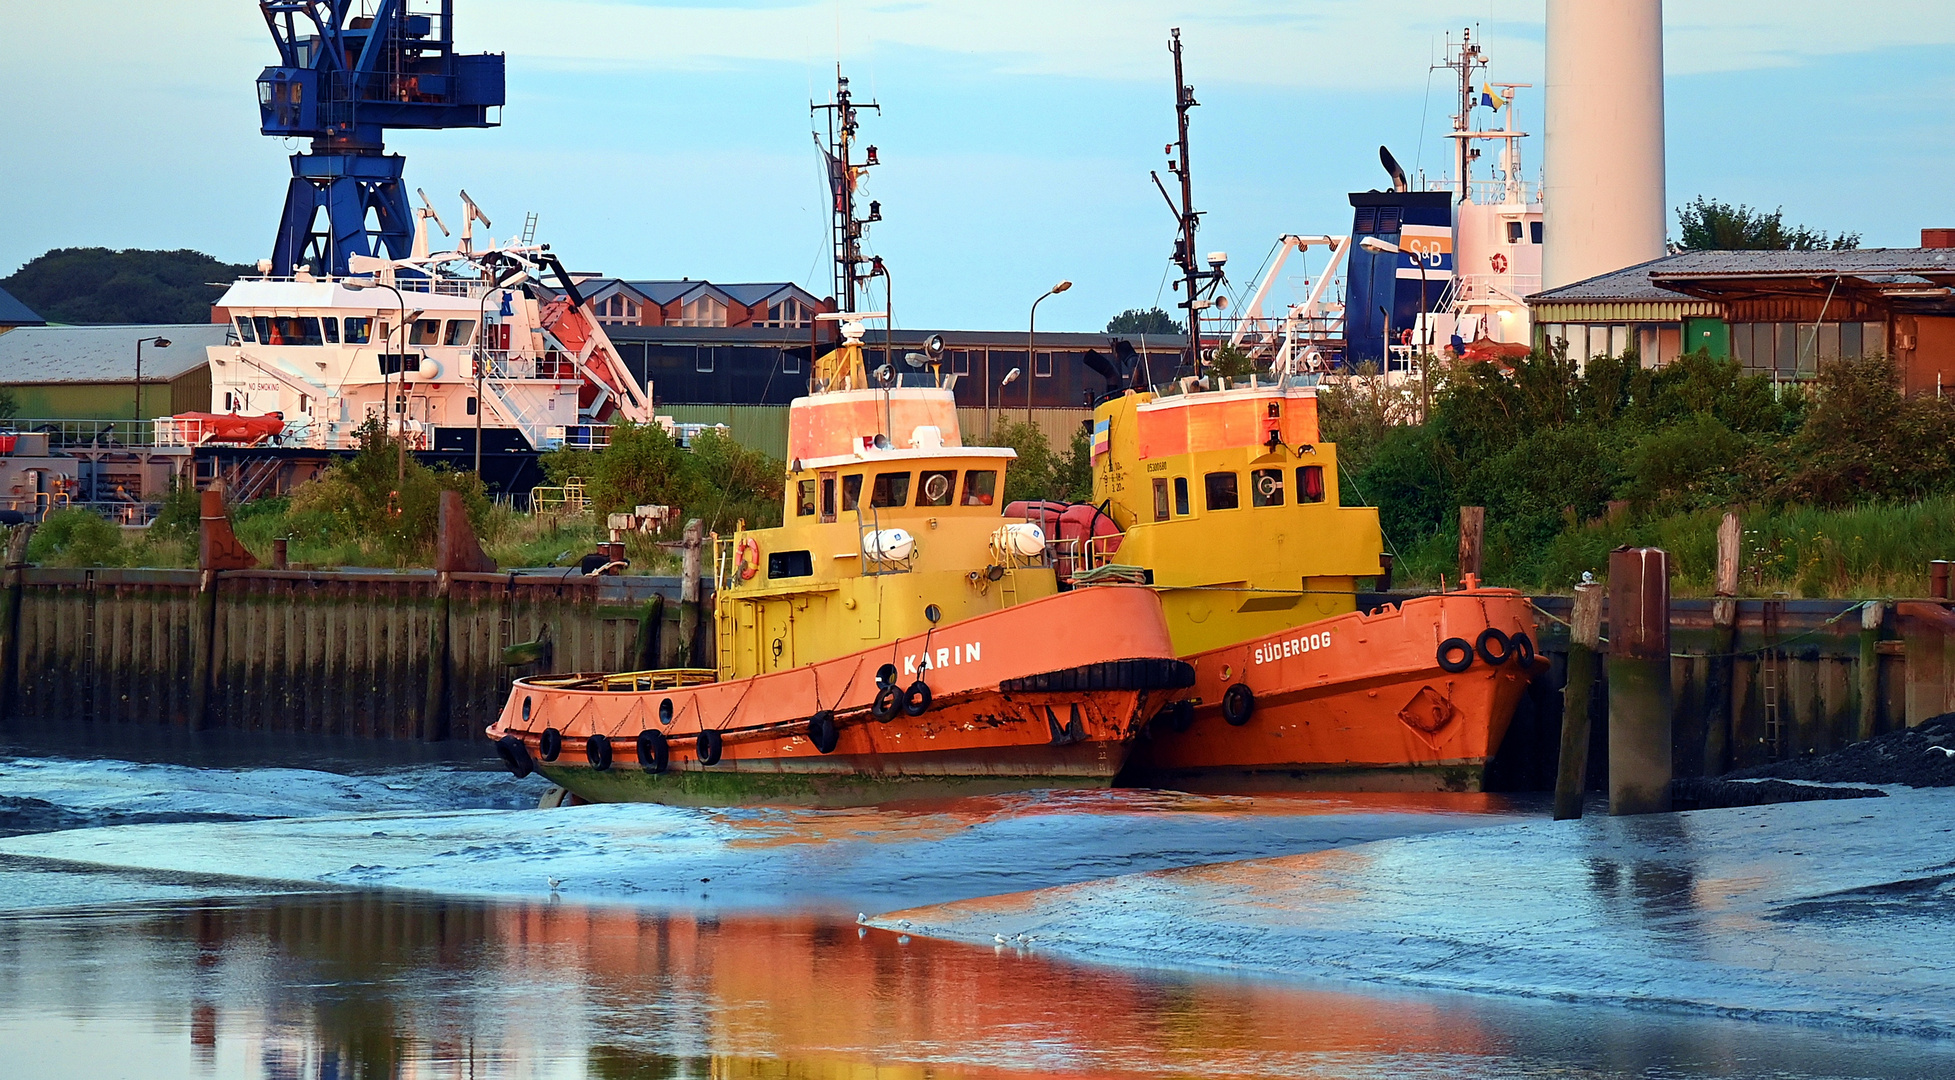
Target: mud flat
1829, 913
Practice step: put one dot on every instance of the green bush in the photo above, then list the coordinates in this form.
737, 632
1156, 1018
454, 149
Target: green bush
367, 503
76, 537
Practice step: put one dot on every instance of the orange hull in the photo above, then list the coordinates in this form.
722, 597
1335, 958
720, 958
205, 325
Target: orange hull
1013, 704
1358, 702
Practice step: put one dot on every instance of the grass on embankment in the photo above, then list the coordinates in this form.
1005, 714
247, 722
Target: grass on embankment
1865, 551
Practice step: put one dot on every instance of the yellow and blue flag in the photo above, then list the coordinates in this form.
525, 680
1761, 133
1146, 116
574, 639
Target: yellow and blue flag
1491, 99
1102, 438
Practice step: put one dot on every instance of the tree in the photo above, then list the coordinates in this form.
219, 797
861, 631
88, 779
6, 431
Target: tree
97, 285
1707, 225
1150, 321
9, 405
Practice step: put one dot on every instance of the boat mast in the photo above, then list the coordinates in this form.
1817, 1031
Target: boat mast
1192, 276
843, 172
1463, 63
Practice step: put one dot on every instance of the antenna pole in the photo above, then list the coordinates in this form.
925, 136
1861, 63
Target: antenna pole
838, 153
1192, 276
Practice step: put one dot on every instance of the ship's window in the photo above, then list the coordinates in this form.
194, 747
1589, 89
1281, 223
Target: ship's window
828, 497
782, 564
851, 492
892, 489
1181, 496
980, 487
264, 327
244, 329
286, 330
470, 407
460, 332
804, 499
1220, 489
1534, 231
358, 331
1160, 498
394, 363
332, 331
424, 332
1266, 487
1310, 484
936, 488
1513, 232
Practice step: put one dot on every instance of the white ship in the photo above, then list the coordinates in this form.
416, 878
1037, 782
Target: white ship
461, 351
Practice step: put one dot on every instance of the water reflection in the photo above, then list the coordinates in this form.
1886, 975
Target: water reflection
322, 987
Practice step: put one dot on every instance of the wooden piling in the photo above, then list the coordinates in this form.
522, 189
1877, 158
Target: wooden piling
1640, 719
434, 710
1871, 618
1584, 641
203, 649
12, 595
650, 627
689, 593
1707, 748
1472, 537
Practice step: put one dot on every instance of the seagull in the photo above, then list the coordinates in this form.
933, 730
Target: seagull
1943, 750
555, 883
999, 938
861, 918
1588, 577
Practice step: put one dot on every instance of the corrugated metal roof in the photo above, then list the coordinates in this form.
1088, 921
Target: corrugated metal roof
1634, 283
93, 354
15, 313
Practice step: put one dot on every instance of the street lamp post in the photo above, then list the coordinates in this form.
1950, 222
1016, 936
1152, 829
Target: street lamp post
1031, 347
161, 343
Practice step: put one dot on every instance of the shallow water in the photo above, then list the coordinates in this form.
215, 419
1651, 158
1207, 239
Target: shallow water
229, 927
383, 985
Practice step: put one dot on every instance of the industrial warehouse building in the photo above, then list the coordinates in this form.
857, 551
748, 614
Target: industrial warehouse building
89, 372
1779, 313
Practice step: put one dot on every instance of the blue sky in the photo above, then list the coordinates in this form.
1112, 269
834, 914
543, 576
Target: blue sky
658, 139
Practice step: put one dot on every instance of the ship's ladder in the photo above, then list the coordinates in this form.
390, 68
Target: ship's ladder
1769, 678
725, 614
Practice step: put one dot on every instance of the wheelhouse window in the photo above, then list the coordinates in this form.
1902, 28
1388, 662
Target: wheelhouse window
332, 330
245, 330
1181, 496
1220, 491
284, 330
892, 489
1266, 487
828, 496
980, 487
851, 492
460, 332
395, 363
804, 498
1160, 498
935, 488
1310, 484
424, 332
790, 564
358, 331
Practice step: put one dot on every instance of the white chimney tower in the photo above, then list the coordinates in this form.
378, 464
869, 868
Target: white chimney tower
1602, 169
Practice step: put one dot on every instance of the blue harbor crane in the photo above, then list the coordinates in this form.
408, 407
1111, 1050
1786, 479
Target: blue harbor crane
348, 70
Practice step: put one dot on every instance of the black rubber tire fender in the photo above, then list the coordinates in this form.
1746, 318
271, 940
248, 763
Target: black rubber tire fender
597, 751
823, 732
710, 744
654, 753
1238, 704
918, 696
515, 755
890, 700
1459, 647
1493, 636
1524, 652
551, 743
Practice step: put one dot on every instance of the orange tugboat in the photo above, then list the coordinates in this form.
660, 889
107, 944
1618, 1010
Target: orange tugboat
1226, 502
895, 638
